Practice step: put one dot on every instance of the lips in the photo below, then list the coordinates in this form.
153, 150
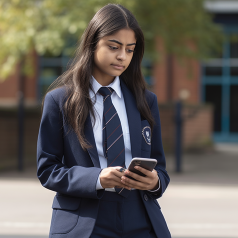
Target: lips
118, 66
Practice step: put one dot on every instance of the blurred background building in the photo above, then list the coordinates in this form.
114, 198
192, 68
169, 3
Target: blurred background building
208, 88
214, 82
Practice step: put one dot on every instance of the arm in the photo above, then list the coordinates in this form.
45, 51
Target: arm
53, 174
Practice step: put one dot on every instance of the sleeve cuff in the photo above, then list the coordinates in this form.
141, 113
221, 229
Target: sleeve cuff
98, 185
157, 188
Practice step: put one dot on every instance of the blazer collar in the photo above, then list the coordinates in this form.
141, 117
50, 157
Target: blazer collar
134, 120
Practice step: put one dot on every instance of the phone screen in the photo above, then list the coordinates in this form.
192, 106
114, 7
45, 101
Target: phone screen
148, 164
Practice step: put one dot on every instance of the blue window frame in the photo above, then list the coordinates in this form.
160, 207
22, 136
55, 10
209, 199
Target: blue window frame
147, 72
51, 67
220, 87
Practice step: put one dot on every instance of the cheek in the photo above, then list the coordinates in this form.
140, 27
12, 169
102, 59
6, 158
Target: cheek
129, 60
102, 57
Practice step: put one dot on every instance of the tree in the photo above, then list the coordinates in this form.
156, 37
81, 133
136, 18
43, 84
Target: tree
179, 23
43, 25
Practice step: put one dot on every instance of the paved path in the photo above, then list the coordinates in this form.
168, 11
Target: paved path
201, 202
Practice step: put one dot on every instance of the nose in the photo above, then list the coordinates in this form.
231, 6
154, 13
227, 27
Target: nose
122, 55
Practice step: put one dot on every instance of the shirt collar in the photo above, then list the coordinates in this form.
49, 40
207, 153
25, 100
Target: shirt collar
115, 85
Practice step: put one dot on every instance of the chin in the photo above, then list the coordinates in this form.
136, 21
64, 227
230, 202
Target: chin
114, 74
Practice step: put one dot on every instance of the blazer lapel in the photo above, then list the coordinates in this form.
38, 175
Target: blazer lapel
90, 138
134, 120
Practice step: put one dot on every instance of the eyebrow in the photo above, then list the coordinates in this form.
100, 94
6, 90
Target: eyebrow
118, 42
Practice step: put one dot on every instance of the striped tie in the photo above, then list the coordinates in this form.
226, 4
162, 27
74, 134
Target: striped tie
113, 142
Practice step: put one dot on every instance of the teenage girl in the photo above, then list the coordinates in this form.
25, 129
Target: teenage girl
94, 122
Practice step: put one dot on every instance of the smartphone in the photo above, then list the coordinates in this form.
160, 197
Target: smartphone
145, 163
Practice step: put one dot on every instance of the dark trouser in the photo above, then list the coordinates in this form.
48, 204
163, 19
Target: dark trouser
120, 217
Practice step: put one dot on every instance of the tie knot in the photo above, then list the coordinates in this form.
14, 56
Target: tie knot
105, 91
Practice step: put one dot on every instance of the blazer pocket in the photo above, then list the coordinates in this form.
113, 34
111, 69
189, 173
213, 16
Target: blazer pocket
146, 136
65, 214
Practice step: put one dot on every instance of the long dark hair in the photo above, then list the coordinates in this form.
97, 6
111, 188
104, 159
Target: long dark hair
107, 21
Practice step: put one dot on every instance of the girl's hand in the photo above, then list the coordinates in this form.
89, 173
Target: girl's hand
111, 177
149, 182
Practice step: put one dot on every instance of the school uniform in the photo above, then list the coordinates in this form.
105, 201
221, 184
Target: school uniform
81, 207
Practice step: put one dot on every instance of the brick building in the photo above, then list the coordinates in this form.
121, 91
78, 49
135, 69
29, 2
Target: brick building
198, 83
214, 81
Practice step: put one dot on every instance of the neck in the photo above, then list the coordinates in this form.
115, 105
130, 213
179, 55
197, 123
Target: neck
104, 80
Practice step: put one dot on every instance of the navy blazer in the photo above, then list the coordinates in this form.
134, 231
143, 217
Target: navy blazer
64, 167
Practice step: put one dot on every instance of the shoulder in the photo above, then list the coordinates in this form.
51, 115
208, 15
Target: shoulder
58, 96
55, 99
151, 98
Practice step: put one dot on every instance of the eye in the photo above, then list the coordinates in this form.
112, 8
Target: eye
130, 51
113, 47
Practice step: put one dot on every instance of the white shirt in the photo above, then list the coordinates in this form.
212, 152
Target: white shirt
119, 104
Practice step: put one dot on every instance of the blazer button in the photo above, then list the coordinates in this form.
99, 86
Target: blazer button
145, 197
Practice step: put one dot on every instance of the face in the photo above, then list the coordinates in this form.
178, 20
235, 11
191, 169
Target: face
113, 55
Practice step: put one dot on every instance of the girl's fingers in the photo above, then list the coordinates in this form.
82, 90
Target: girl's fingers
116, 182
121, 185
137, 177
144, 171
132, 183
118, 171
118, 174
142, 183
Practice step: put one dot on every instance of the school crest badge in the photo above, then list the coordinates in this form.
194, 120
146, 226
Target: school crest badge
146, 133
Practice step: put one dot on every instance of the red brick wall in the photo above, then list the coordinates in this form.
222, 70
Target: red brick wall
197, 130
160, 74
197, 126
9, 87
167, 125
185, 76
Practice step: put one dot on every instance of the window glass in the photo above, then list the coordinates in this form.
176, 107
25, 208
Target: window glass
213, 71
234, 108
234, 71
213, 96
234, 46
